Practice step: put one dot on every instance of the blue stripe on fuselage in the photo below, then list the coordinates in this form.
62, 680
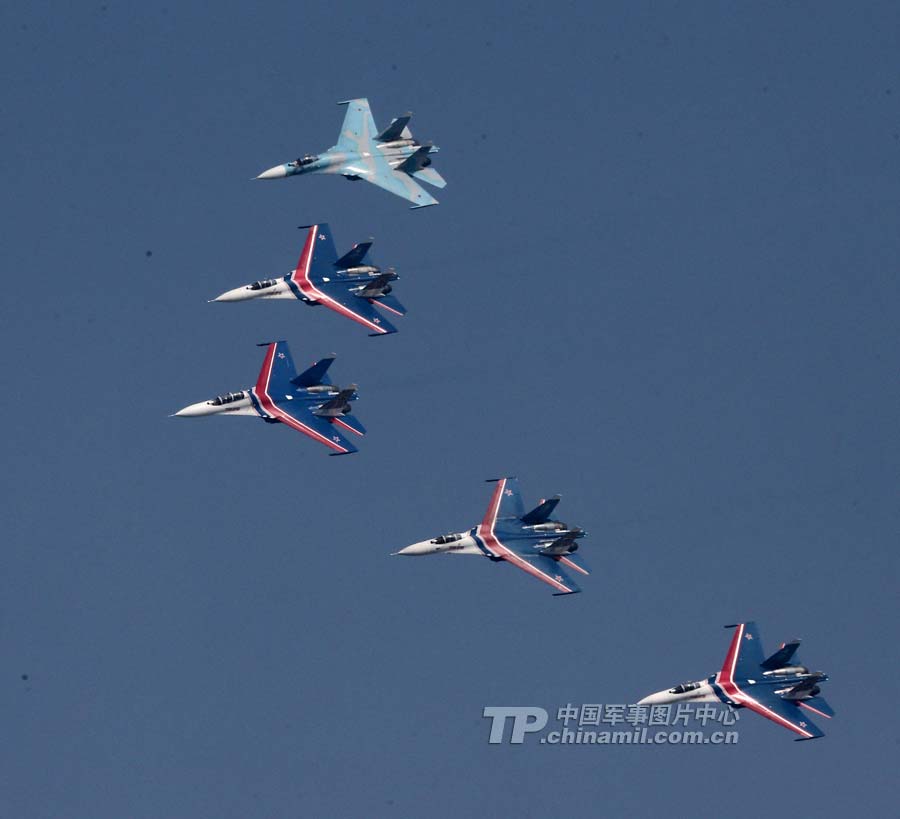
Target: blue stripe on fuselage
294, 289
256, 405
480, 543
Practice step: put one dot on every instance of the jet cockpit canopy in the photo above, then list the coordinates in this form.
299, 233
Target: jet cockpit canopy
263, 284
308, 159
684, 688
228, 398
442, 539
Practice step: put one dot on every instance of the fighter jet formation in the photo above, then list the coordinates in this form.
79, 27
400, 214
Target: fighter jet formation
349, 285
308, 402
531, 541
778, 687
391, 158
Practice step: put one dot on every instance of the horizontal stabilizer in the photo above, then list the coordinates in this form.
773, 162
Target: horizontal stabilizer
417, 161
541, 513
350, 423
818, 704
395, 130
315, 375
782, 657
354, 256
575, 562
391, 304
431, 176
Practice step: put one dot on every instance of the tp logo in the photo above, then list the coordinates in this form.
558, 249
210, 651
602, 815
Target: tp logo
521, 723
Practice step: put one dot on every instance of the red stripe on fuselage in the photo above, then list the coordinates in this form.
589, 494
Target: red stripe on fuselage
266, 402
301, 278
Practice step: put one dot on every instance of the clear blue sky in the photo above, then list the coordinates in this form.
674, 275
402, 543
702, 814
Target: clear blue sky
662, 281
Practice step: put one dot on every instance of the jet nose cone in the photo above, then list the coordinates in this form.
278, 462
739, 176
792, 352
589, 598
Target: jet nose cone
192, 411
273, 173
654, 699
415, 549
238, 294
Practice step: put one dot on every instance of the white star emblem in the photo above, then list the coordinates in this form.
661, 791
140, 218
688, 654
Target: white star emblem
748, 636
558, 577
336, 439
321, 236
508, 492
281, 355
377, 320
802, 724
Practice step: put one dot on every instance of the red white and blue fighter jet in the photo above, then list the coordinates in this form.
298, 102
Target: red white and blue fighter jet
779, 687
350, 285
308, 402
530, 541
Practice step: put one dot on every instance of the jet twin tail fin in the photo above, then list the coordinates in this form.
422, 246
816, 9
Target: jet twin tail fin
782, 657
417, 161
315, 375
396, 129
354, 256
541, 513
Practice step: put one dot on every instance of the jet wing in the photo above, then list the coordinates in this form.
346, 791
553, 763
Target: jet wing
543, 568
745, 655
786, 713
362, 311
506, 502
299, 417
320, 254
333, 294
358, 131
